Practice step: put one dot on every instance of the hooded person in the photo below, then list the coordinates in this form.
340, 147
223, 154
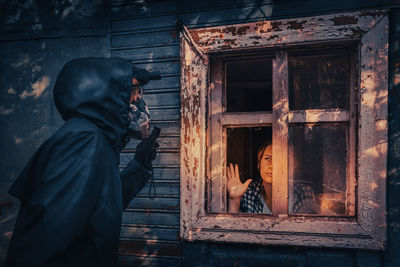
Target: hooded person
71, 191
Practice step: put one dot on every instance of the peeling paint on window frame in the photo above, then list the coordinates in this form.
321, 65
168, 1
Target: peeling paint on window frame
368, 229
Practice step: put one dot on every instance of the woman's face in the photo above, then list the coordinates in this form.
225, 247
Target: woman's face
266, 165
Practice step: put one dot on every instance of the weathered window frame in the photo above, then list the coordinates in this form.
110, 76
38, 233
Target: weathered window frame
279, 119
368, 228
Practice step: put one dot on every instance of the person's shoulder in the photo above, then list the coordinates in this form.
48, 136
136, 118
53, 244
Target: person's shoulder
72, 153
82, 137
80, 126
256, 183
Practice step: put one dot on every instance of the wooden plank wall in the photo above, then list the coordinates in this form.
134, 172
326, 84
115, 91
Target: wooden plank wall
148, 38
144, 32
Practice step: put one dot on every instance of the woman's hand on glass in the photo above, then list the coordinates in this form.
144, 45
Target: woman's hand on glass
236, 188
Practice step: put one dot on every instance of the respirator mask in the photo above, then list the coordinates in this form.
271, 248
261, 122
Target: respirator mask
139, 117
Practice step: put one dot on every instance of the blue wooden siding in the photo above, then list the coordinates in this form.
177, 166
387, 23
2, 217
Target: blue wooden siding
212, 254
150, 229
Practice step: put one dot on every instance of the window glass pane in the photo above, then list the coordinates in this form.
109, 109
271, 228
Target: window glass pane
249, 86
251, 150
317, 169
319, 81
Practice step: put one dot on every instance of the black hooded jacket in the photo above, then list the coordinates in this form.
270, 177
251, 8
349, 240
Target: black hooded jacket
72, 194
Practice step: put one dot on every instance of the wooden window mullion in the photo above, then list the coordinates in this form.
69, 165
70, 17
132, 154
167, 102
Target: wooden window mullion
351, 170
280, 85
247, 119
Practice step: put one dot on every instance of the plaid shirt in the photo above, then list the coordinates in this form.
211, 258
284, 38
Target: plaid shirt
303, 200
251, 200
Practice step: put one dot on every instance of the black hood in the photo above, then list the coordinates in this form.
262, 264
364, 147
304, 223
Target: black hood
97, 89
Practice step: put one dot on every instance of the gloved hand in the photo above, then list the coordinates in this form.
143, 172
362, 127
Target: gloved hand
146, 152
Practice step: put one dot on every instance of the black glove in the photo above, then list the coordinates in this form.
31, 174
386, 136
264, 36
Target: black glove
146, 152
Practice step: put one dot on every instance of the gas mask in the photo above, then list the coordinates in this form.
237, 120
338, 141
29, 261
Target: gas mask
139, 117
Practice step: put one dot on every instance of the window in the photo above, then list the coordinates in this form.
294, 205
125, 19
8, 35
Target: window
319, 82
318, 95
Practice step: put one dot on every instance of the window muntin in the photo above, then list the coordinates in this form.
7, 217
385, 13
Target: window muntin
326, 90
367, 230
